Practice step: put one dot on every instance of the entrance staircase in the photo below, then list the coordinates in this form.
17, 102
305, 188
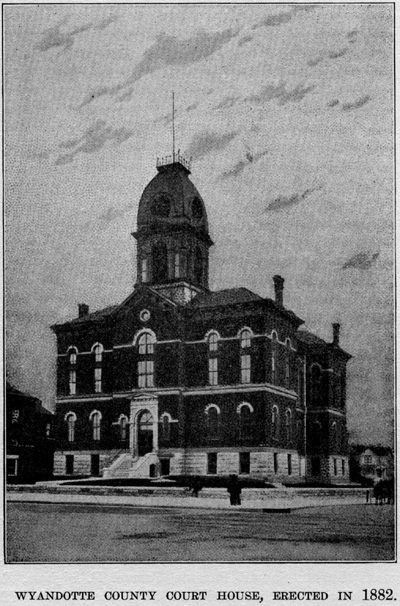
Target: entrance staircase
125, 466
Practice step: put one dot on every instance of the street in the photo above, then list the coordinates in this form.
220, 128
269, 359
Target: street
46, 532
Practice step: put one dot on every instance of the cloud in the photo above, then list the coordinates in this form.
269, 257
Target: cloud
112, 213
362, 260
241, 165
227, 102
352, 36
53, 37
166, 51
283, 17
333, 54
333, 103
270, 92
356, 104
338, 53
244, 40
282, 202
314, 62
204, 143
95, 137
191, 107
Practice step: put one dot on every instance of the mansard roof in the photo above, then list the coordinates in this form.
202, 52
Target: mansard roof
228, 296
313, 341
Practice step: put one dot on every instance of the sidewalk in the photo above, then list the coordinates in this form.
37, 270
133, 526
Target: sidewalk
273, 501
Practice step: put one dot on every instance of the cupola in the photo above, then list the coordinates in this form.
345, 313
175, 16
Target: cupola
172, 232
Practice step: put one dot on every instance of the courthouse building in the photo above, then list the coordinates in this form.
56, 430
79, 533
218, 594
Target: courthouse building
179, 379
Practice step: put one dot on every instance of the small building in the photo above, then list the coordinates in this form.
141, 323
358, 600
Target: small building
179, 379
29, 438
371, 463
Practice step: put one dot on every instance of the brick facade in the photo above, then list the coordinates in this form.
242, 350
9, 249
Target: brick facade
209, 382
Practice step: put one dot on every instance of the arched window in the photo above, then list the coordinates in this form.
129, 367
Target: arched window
335, 436
245, 358
177, 265
160, 262
212, 422
198, 266
245, 422
212, 358
274, 373
70, 418
287, 363
145, 346
166, 427
98, 358
300, 383
288, 426
95, 417
275, 424
72, 359
123, 426
144, 270
245, 338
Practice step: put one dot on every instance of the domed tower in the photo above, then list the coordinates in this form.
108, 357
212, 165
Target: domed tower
172, 233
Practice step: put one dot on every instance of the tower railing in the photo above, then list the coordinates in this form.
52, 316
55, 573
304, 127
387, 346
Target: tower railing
173, 159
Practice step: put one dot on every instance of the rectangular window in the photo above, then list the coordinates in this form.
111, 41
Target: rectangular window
368, 459
144, 270
72, 382
334, 467
213, 371
12, 466
343, 467
146, 373
211, 462
97, 380
276, 466
245, 367
95, 465
289, 464
69, 464
244, 462
177, 265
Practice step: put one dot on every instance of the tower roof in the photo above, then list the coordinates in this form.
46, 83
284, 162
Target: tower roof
171, 199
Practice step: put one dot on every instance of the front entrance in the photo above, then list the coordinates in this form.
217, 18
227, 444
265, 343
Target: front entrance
145, 433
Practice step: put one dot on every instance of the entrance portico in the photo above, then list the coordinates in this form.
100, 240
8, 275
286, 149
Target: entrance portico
143, 434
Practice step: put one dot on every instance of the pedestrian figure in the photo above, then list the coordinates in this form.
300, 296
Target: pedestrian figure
234, 490
196, 486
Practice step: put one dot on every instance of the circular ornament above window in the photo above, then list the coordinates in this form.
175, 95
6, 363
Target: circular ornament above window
144, 315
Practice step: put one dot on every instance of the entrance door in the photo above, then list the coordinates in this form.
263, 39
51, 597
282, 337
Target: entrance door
145, 433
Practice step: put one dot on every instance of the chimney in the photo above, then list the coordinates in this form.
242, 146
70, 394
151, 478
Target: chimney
336, 333
278, 283
83, 310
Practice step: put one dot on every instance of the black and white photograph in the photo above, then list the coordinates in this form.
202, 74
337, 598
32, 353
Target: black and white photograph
199, 296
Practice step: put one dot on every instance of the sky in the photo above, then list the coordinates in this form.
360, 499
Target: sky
287, 111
